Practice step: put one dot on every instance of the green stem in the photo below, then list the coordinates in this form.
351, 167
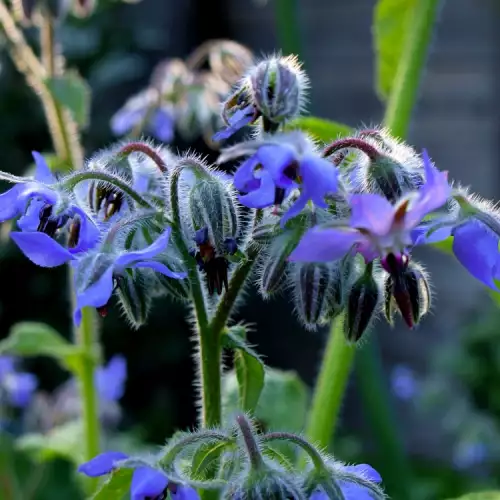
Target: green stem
407, 80
330, 386
339, 355
86, 338
392, 463
288, 26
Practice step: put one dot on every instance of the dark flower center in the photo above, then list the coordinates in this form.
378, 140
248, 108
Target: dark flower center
48, 224
105, 199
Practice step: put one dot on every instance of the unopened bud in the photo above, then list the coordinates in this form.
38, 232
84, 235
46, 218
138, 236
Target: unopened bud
213, 207
408, 291
278, 89
361, 306
134, 298
83, 8
313, 283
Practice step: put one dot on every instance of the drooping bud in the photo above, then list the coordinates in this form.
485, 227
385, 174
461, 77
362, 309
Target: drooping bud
83, 8
134, 298
407, 289
313, 285
361, 305
273, 265
278, 89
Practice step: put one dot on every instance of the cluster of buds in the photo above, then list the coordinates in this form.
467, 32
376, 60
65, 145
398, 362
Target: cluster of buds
184, 96
243, 464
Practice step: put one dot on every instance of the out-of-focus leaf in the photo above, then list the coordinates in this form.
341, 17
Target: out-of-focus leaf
38, 339
485, 495
116, 486
390, 25
72, 92
445, 245
321, 129
249, 368
65, 441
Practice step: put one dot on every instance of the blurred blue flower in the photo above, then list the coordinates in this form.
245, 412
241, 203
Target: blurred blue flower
185, 493
470, 454
147, 483
95, 286
376, 228
18, 386
351, 490
110, 379
403, 382
145, 106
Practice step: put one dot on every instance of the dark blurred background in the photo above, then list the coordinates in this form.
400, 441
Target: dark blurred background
457, 120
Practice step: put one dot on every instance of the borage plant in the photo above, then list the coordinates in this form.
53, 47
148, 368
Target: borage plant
332, 222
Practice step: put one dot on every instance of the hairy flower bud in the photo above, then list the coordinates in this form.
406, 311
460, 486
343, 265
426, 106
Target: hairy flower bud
313, 285
134, 297
361, 305
408, 291
212, 205
273, 265
278, 88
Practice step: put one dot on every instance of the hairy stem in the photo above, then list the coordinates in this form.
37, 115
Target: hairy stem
142, 147
330, 386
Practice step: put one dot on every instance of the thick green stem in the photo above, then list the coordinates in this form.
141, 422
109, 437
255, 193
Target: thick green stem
339, 355
86, 338
288, 26
413, 58
330, 386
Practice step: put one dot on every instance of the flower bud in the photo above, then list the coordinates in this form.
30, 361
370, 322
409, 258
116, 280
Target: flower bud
273, 265
212, 205
361, 305
83, 8
278, 88
134, 297
408, 291
313, 283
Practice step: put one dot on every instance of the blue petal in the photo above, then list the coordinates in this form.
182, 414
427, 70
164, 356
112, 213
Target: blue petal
7, 365
20, 388
147, 483
319, 178
319, 495
102, 464
158, 246
275, 159
476, 248
110, 379
420, 235
295, 209
246, 178
355, 491
96, 295
162, 125
31, 218
371, 212
237, 121
89, 232
365, 470
126, 119
185, 493
41, 249
323, 245
263, 196
9, 208
42, 172
160, 268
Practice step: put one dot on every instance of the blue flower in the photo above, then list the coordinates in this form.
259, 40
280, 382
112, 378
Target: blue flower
110, 379
18, 386
97, 272
376, 228
275, 169
353, 491
147, 482
240, 118
470, 454
403, 382
161, 121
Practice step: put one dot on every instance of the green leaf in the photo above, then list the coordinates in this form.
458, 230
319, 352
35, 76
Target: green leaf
64, 441
72, 92
116, 487
249, 368
37, 339
206, 458
445, 246
484, 495
282, 404
321, 129
390, 25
